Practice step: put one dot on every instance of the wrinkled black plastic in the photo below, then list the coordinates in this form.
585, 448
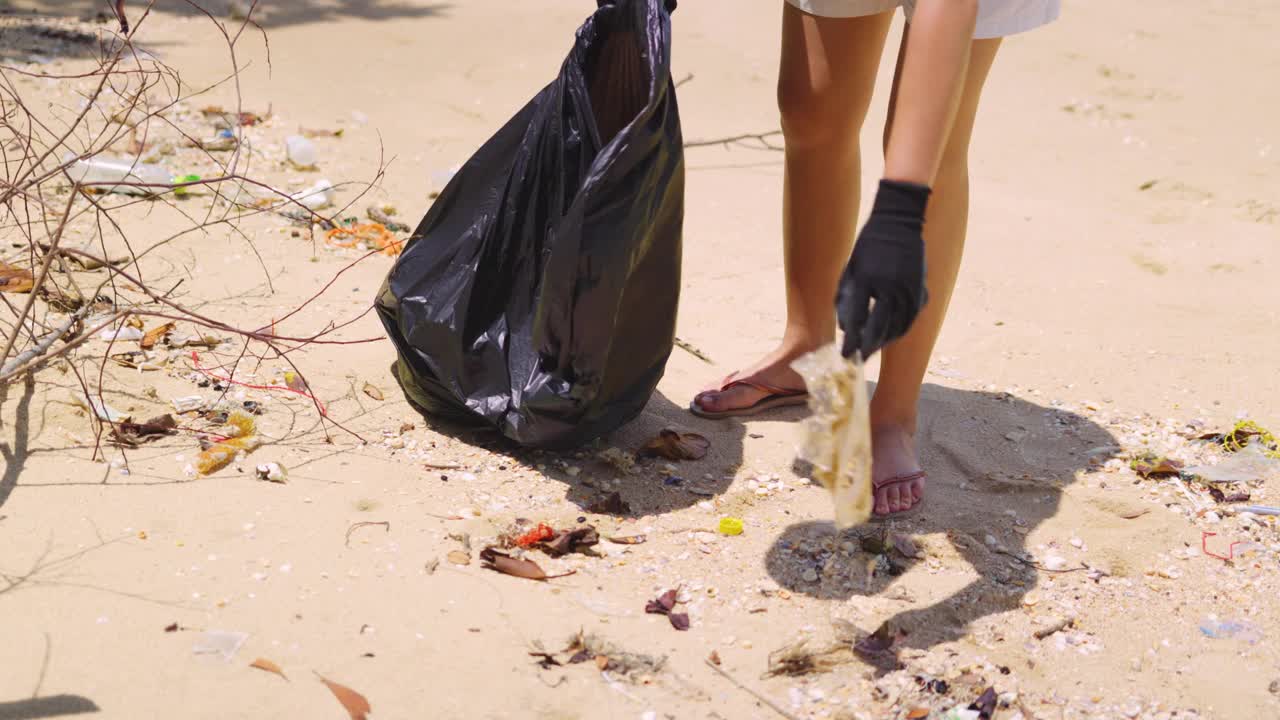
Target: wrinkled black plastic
539, 293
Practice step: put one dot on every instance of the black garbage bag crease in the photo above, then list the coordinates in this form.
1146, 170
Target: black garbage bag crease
538, 295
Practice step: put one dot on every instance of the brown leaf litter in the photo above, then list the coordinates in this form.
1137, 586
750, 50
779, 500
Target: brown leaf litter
674, 445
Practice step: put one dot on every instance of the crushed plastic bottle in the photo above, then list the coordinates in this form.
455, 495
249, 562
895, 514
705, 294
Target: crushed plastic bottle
301, 152
317, 196
98, 172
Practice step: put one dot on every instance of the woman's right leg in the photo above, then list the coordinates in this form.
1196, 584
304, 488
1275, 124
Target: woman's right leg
827, 75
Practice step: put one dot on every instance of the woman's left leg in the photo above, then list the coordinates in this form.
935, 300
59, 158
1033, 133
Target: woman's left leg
904, 362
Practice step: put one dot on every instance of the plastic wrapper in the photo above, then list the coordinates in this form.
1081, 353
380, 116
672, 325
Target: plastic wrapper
245, 439
538, 296
837, 436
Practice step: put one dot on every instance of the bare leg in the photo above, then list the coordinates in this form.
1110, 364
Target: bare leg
903, 365
825, 82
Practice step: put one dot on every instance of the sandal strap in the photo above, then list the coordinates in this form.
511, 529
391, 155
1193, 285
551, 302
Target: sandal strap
899, 480
766, 388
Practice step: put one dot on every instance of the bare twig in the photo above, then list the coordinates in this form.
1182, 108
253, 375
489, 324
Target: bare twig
759, 697
761, 141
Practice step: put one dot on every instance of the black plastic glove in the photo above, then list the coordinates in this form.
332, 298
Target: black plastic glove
887, 266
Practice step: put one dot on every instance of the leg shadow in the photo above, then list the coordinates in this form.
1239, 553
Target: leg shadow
997, 466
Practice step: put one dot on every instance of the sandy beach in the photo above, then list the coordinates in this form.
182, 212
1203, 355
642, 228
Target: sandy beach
1117, 302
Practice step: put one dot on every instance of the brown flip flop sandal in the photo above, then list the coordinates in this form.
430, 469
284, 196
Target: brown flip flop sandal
899, 480
775, 397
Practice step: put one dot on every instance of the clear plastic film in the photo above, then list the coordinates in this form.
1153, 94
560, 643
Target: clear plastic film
837, 436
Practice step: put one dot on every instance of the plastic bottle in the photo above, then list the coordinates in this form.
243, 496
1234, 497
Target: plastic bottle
317, 196
105, 170
301, 151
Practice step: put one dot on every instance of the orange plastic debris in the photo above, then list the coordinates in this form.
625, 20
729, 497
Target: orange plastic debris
375, 236
535, 536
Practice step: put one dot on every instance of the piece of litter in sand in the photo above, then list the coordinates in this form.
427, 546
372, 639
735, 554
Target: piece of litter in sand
837, 436
221, 643
516, 567
1251, 463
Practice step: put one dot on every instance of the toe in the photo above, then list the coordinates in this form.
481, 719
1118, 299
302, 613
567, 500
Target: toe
882, 502
894, 496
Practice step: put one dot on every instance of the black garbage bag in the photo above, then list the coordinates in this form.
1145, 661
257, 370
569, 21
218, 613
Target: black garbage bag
539, 293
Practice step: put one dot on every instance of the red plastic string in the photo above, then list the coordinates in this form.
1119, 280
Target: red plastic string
195, 359
1231, 549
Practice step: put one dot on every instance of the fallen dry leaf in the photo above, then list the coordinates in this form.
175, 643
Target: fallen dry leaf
265, 664
986, 704
879, 641
1135, 514
372, 391
679, 621
714, 657
155, 334
459, 557
905, 545
918, 713
628, 539
15, 280
134, 434
1154, 466
663, 604
672, 445
516, 567
602, 662
355, 704
577, 540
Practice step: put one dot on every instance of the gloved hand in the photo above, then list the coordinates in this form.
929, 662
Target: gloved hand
887, 265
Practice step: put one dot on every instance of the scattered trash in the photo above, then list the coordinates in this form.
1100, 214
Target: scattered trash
1155, 466
540, 532
664, 605
1259, 509
382, 214
371, 236
316, 197
219, 642
301, 152
1244, 433
985, 705
837, 436
516, 567
353, 702
130, 434
1231, 629
731, 526
15, 280
267, 665
611, 504
155, 335
243, 439
1253, 462
1231, 549
188, 403
272, 472
628, 539
100, 172
100, 409
121, 334
372, 391
673, 445
386, 525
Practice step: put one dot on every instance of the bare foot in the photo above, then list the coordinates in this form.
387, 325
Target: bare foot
774, 370
893, 452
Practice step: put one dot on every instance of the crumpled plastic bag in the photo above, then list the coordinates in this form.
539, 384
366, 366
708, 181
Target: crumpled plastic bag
837, 436
1251, 463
